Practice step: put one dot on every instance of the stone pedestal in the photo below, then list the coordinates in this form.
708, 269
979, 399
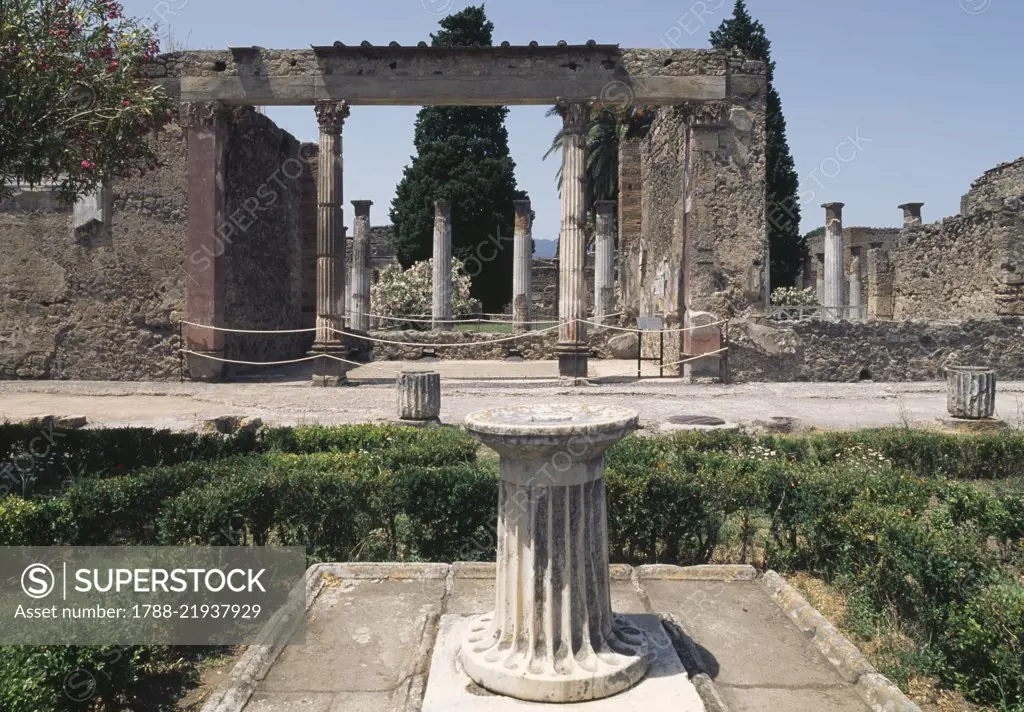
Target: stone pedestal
834, 260
522, 267
328, 370
604, 260
441, 303
970, 392
552, 636
573, 351
704, 337
419, 395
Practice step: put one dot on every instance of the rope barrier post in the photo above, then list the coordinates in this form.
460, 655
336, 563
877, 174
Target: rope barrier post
181, 353
661, 354
323, 367
639, 351
725, 355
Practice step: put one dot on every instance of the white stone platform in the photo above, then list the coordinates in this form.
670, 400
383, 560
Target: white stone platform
374, 634
666, 686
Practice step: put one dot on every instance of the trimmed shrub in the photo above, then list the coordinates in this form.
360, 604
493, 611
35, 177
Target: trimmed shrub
984, 641
63, 678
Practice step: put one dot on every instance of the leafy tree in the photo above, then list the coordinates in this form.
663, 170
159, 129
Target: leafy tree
783, 206
608, 127
462, 155
75, 106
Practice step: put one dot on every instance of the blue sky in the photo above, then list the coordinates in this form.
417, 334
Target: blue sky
931, 89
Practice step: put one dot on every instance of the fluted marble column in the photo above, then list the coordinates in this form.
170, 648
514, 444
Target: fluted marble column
361, 266
834, 261
855, 288
572, 245
911, 214
441, 312
552, 636
604, 260
330, 243
522, 267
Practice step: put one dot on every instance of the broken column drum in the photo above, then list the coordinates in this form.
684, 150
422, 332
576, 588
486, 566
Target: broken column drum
552, 636
970, 392
419, 395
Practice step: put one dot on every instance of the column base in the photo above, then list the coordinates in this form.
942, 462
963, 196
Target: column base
541, 675
573, 361
329, 371
200, 368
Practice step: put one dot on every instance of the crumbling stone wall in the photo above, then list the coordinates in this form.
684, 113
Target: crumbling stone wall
880, 351
544, 285
103, 304
266, 174
532, 347
970, 265
106, 303
703, 244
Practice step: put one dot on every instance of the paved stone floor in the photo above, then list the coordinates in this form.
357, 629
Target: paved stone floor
288, 398
372, 630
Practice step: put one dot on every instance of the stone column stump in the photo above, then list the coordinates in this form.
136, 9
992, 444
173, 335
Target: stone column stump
970, 392
419, 395
552, 636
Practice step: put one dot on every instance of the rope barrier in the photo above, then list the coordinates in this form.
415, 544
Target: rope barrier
372, 339
249, 331
251, 363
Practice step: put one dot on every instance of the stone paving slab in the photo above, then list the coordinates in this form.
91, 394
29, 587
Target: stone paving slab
372, 629
474, 385
757, 658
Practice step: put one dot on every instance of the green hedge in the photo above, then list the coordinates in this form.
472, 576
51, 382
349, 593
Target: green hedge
41, 460
905, 536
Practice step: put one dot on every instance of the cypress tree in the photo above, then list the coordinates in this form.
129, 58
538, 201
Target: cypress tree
462, 155
783, 205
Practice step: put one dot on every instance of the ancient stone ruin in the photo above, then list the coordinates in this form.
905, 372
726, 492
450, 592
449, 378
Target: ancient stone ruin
243, 230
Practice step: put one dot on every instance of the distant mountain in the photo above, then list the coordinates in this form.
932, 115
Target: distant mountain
545, 248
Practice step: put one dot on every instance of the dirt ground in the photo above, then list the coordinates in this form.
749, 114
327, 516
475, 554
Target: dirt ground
290, 399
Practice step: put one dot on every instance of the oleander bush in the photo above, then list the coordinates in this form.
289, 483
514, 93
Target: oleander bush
924, 527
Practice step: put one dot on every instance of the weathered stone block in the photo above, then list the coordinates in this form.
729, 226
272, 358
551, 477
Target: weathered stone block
419, 395
970, 392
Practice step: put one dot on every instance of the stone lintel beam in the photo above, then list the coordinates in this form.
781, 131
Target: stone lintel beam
438, 90
452, 76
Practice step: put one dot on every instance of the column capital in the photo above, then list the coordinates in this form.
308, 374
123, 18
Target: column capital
522, 206
833, 212
442, 206
331, 115
362, 207
201, 114
605, 207
575, 116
